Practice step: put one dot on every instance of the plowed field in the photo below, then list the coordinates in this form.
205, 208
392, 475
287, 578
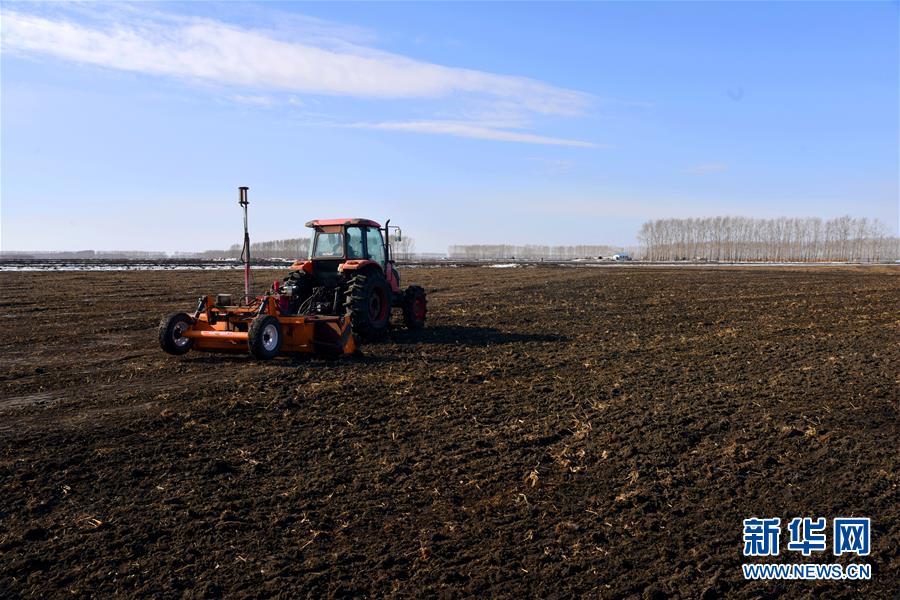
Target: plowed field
553, 432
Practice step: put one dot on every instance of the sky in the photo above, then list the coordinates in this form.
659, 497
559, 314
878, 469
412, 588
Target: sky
131, 126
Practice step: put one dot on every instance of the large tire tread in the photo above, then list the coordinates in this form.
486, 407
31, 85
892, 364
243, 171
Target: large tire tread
359, 291
410, 318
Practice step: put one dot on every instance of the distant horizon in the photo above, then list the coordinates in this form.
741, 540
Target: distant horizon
891, 232
638, 244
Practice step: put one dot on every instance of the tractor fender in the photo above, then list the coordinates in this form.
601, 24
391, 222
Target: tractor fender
355, 266
302, 265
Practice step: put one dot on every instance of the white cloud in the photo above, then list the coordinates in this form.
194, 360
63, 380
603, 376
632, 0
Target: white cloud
215, 51
473, 130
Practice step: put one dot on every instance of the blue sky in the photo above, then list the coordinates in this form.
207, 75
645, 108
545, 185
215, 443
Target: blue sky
131, 126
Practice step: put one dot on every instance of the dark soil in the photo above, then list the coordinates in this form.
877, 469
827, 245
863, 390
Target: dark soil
552, 432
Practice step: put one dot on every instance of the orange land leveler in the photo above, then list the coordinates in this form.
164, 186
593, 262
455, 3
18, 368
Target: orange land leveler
255, 324
219, 326
343, 293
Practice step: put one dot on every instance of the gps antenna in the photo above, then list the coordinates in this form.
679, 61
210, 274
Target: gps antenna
245, 253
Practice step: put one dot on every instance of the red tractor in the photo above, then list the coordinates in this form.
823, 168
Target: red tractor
350, 271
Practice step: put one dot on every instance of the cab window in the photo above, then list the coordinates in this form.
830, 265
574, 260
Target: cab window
374, 244
328, 245
354, 243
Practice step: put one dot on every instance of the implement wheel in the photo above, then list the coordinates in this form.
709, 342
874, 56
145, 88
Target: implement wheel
264, 337
171, 328
415, 307
369, 305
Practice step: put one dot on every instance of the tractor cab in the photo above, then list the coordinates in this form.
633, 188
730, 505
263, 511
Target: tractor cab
347, 239
340, 245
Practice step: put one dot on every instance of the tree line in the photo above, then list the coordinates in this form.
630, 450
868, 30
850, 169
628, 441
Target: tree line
528, 252
772, 240
289, 249
82, 255
293, 248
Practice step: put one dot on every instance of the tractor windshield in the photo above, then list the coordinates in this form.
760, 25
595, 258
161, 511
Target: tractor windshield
328, 245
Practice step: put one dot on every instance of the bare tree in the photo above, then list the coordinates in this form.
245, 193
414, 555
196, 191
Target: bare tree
404, 249
527, 252
784, 239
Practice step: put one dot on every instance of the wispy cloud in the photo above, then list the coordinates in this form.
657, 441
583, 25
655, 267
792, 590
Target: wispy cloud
204, 49
268, 66
705, 168
473, 130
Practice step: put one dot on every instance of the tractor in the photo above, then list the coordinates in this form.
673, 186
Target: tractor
351, 271
345, 291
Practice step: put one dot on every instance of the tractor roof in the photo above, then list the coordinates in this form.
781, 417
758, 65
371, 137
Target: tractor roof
326, 222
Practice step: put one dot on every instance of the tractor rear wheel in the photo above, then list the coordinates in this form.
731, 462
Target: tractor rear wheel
415, 307
369, 305
264, 337
171, 328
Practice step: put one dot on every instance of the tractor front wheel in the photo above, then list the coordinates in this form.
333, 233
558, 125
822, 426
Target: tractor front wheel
264, 337
171, 330
415, 307
369, 305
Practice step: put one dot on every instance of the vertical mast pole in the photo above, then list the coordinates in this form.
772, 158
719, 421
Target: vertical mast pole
245, 255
